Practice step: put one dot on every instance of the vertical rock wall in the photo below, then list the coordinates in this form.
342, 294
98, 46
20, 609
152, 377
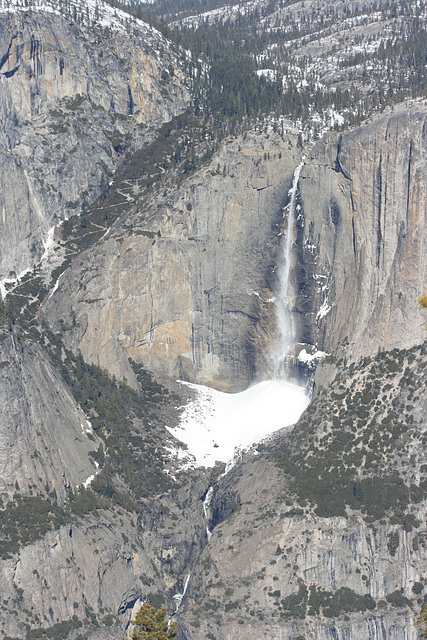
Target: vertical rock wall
362, 245
185, 287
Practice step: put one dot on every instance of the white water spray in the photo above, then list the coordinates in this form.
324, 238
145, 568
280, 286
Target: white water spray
178, 597
285, 295
206, 503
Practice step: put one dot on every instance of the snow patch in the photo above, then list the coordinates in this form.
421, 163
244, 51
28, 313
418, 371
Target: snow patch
106, 233
308, 358
86, 428
55, 287
218, 426
47, 246
324, 309
180, 457
87, 482
270, 74
90, 11
15, 280
48, 243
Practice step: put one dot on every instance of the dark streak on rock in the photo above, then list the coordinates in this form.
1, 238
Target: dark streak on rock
5, 58
338, 168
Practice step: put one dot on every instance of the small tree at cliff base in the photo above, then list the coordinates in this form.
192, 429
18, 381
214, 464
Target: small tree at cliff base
421, 622
422, 301
152, 624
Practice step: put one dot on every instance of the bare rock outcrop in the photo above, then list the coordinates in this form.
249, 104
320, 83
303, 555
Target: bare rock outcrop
183, 282
45, 438
321, 532
186, 284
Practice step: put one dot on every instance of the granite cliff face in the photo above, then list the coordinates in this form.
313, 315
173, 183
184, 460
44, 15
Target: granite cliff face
212, 245
362, 235
277, 563
76, 92
100, 568
316, 536
44, 435
71, 558
360, 265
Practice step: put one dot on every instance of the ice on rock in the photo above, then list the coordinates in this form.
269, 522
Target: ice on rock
324, 309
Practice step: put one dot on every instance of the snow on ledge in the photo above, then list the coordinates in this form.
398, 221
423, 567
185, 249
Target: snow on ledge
307, 358
3, 283
92, 11
87, 482
216, 426
324, 309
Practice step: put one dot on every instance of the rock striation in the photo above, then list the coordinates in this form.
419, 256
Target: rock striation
45, 438
284, 558
360, 267
183, 283
362, 235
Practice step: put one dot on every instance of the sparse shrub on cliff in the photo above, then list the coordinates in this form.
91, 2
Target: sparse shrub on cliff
28, 518
417, 588
113, 407
347, 600
152, 624
295, 605
156, 599
397, 599
343, 600
350, 453
421, 622
58, 631
25, 520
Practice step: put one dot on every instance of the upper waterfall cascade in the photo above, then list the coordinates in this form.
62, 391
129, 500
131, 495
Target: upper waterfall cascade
285, 294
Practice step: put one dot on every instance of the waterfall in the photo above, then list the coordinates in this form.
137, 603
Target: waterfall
219, 426
285, 294
178, 597
206, 503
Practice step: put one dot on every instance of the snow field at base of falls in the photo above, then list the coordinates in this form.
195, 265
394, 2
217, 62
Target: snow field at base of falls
216, 426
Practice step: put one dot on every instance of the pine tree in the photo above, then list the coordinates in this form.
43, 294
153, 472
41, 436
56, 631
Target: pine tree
152, 624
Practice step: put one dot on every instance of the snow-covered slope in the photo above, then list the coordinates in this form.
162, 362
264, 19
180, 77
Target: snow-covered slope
88, 13
217, 426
